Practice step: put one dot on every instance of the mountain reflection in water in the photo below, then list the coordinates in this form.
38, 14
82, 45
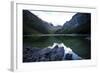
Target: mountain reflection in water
55, 48
67, 51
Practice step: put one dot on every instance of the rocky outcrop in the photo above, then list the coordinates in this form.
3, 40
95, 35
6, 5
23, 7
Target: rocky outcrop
49, 54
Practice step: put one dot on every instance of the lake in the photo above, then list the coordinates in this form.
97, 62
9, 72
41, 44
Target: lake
81, 45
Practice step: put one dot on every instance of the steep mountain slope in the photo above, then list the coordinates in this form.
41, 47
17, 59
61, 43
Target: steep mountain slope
80, 24
34, 25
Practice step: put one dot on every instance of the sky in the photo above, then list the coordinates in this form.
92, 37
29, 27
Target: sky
56, 18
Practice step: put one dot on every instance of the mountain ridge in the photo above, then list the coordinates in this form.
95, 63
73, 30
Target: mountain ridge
79, 24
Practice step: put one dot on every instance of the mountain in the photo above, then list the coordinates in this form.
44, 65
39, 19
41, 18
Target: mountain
79, 24
32, 24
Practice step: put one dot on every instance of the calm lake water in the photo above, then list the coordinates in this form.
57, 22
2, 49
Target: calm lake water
79, 44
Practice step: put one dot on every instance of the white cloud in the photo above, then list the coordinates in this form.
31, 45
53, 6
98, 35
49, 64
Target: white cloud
56, 18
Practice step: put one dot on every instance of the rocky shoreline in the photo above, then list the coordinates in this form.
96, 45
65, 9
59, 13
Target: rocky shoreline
56, 52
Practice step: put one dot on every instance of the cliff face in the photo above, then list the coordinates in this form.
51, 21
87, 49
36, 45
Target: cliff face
80, 23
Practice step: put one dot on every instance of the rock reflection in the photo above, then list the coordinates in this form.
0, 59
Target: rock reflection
56, 52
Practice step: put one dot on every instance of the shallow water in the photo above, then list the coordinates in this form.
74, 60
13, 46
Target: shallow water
79, 44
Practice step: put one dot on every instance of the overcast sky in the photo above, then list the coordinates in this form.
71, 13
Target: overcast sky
56, 18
